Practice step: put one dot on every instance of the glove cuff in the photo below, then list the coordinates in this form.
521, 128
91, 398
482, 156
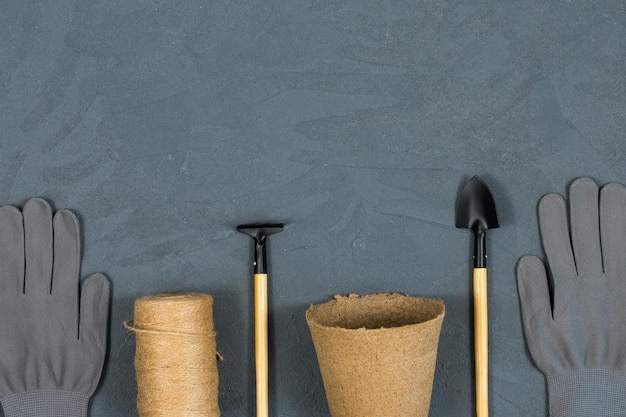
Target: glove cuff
587, 392
45, 404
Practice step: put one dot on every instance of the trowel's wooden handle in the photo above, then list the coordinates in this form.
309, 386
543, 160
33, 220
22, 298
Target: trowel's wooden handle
481, 351
260, 344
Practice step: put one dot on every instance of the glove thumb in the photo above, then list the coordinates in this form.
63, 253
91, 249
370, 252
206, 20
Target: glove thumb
534, 294
94, 310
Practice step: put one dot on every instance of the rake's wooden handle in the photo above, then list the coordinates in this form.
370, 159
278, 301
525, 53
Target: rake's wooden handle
481, 351
260, 344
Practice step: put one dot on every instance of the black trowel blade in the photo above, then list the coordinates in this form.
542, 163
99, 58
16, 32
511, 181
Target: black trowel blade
475, 207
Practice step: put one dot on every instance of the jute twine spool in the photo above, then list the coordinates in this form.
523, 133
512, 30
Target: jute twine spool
175, 358
377, 353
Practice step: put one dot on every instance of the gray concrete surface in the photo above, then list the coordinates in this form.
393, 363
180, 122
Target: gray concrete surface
165, 124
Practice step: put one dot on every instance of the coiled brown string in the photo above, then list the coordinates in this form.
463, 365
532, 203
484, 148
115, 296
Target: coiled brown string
176, 357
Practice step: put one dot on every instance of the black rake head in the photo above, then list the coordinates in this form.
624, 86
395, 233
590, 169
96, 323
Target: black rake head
260, 231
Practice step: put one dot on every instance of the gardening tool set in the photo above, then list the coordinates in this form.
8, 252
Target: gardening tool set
376, 352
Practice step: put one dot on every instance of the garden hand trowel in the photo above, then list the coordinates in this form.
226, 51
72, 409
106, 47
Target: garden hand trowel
476, 210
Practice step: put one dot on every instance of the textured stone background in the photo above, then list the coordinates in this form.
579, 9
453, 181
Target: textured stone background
165, 124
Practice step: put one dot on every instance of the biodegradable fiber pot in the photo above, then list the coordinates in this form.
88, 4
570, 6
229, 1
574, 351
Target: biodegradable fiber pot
377, 353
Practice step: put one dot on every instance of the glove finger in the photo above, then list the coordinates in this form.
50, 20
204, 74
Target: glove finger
534, 294
38, 247
585, 227
11, 252
555, 237
94, 311
66, 266
613, 227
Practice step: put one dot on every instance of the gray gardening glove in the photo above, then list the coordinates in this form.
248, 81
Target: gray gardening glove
575, 326
51, 356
